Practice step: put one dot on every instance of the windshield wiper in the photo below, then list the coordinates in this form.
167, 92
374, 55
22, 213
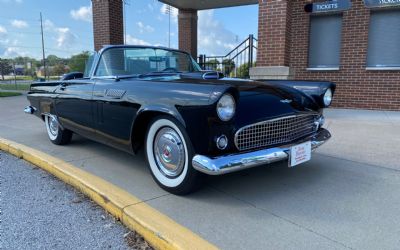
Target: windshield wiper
150, 74
158, 73
128, 76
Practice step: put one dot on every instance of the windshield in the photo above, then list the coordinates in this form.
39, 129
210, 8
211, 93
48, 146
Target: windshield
141, 61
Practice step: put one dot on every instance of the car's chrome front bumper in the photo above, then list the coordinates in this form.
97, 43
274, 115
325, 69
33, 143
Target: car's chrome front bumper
236, 162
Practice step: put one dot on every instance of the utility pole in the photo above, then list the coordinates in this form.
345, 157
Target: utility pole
15, 75
44, 56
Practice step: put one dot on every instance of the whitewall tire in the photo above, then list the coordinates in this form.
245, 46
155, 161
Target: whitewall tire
56, 134
169, 154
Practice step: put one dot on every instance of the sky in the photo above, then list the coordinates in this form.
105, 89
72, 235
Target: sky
68, 27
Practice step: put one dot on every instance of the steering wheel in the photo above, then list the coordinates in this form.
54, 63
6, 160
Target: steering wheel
170, 70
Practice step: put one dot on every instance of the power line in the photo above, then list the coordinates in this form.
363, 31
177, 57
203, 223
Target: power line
15, 18
38, 47
23, 32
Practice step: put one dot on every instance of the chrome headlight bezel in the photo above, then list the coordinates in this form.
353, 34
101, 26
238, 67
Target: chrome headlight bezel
327, 98
226, 107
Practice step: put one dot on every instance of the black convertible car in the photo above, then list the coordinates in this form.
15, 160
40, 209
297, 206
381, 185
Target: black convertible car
190, 122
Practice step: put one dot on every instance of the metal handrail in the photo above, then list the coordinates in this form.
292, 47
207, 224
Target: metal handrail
240, 59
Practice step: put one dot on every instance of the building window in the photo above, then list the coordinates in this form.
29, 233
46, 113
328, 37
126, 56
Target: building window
325, 42
384, 39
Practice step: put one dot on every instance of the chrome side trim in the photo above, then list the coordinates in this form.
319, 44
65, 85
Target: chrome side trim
236, 162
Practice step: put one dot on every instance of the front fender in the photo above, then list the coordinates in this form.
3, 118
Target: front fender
160, 108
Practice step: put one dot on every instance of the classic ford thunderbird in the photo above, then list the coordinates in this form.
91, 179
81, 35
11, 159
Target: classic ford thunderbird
190, 122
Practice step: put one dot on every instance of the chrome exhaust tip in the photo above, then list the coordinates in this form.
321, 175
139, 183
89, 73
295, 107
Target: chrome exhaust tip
30, 110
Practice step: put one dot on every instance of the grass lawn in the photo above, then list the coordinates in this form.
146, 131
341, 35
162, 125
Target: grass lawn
13, 87
8, 94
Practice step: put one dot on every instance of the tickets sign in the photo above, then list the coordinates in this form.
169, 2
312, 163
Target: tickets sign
329, 6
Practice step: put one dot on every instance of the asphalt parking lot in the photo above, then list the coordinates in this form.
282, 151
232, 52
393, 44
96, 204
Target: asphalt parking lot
37, 211
346, 197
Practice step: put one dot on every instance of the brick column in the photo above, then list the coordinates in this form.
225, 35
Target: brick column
187, 23
108, 24
274, 32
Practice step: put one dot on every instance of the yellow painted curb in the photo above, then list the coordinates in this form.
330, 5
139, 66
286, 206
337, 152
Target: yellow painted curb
158, 229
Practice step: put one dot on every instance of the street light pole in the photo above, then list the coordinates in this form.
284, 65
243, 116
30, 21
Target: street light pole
168, 11
169, 27
125, 4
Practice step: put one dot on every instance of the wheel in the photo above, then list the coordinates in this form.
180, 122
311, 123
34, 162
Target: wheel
56, 134
169, 154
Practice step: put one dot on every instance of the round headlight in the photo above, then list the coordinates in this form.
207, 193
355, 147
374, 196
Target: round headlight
226, 107
328, 97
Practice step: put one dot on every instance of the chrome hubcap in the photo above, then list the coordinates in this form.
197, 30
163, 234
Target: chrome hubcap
169, 152
53, 125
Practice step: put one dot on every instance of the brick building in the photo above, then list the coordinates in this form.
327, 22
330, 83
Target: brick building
354, 43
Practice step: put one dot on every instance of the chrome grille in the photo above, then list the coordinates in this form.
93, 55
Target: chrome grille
276, 131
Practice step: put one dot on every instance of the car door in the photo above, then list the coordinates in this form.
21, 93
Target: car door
74, 106
113, 112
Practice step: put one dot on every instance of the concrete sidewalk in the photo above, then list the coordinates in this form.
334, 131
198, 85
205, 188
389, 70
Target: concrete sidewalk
346, 197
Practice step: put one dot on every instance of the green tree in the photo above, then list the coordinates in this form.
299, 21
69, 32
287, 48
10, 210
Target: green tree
53, 60
228, 66
59, 69
30, 72
5, 67
77, 62
25, 60
20, 60
243, 71
212, 64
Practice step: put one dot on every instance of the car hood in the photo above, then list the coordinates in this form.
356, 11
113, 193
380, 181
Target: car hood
258, 101
255, 101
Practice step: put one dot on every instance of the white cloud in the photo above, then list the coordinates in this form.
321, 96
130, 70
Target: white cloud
19, 24
144, 28
135, 41
174, 12
3, 30
3, 35
65, 38
152, 6
11, 52
84, 13
214, 38
48, 25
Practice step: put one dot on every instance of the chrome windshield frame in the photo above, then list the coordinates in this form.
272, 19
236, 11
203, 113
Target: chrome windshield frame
99, 54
